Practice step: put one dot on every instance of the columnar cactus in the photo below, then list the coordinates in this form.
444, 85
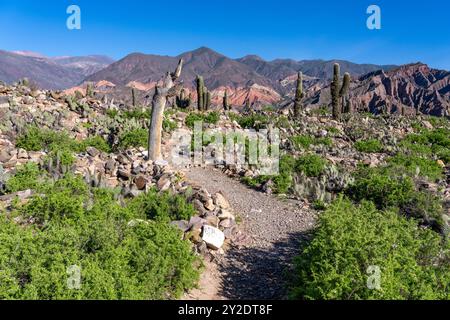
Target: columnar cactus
200, 92
207, 100
225, 101
298, 95
89, 90
338, 92
133, 97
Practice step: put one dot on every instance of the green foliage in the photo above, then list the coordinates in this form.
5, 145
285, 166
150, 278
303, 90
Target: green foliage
431, 144
389, 188
36, 139
311, 165
133, 138
282, 182
210, 117
64, 157
165, 206
26, 177
305, 141
252, 121
349, 239
418, 165
369, 146
97, 142
120, 255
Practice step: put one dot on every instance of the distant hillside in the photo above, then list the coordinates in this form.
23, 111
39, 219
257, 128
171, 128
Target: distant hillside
408, 89
48, 73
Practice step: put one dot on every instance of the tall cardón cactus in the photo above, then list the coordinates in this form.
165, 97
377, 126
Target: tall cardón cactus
225, 101
338, 92
162, 93
200, 93
133, 97
299, 94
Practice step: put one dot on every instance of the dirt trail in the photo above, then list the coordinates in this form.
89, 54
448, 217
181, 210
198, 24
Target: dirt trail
256, 269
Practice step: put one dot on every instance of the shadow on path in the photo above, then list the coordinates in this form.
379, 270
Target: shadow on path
261, 273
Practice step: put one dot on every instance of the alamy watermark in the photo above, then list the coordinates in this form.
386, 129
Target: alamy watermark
374, 20
259, 149
74, 277
374, 277
73, 22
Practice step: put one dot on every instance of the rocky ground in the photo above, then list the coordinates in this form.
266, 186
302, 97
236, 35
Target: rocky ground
247, 235
254, 266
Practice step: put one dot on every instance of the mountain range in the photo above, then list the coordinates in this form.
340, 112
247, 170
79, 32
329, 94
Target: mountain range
378, 88
48, 72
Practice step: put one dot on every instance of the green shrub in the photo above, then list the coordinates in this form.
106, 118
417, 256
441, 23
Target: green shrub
36, 139
120, 256
253, 121
311, 165
389, 188
418, 165
134, 138
97, 142
282, 182
430, 144
210, 117
165, 206
302, 141
369, 146
26, 177
349, 239
305, 141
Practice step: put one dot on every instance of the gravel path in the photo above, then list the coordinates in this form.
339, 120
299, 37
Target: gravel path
275, 228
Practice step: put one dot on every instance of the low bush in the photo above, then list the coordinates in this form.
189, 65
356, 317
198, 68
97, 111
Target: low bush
352, 242
26, 177
211, 117
390, 188
84, 245
369, 146
311, 165
133, 138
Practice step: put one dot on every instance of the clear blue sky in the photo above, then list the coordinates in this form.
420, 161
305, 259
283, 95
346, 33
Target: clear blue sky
411, 31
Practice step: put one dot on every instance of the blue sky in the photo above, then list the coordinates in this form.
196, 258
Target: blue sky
411, 30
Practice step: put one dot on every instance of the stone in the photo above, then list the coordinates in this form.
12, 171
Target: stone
213, 237
209, 205
183, 225
225, 214
220, 201
212, 221
22, 154
93, 152
124, 174
441, 163
194, 236
227, 223
109, 166
140, 182
196, 223
4, 156
427, 125
198, 205
163, 182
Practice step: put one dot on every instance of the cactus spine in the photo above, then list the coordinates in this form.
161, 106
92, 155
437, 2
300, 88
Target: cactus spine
338, 92
298, 95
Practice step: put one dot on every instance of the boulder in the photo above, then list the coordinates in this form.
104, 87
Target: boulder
213, 237
220, 201
93, 152
140, 182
